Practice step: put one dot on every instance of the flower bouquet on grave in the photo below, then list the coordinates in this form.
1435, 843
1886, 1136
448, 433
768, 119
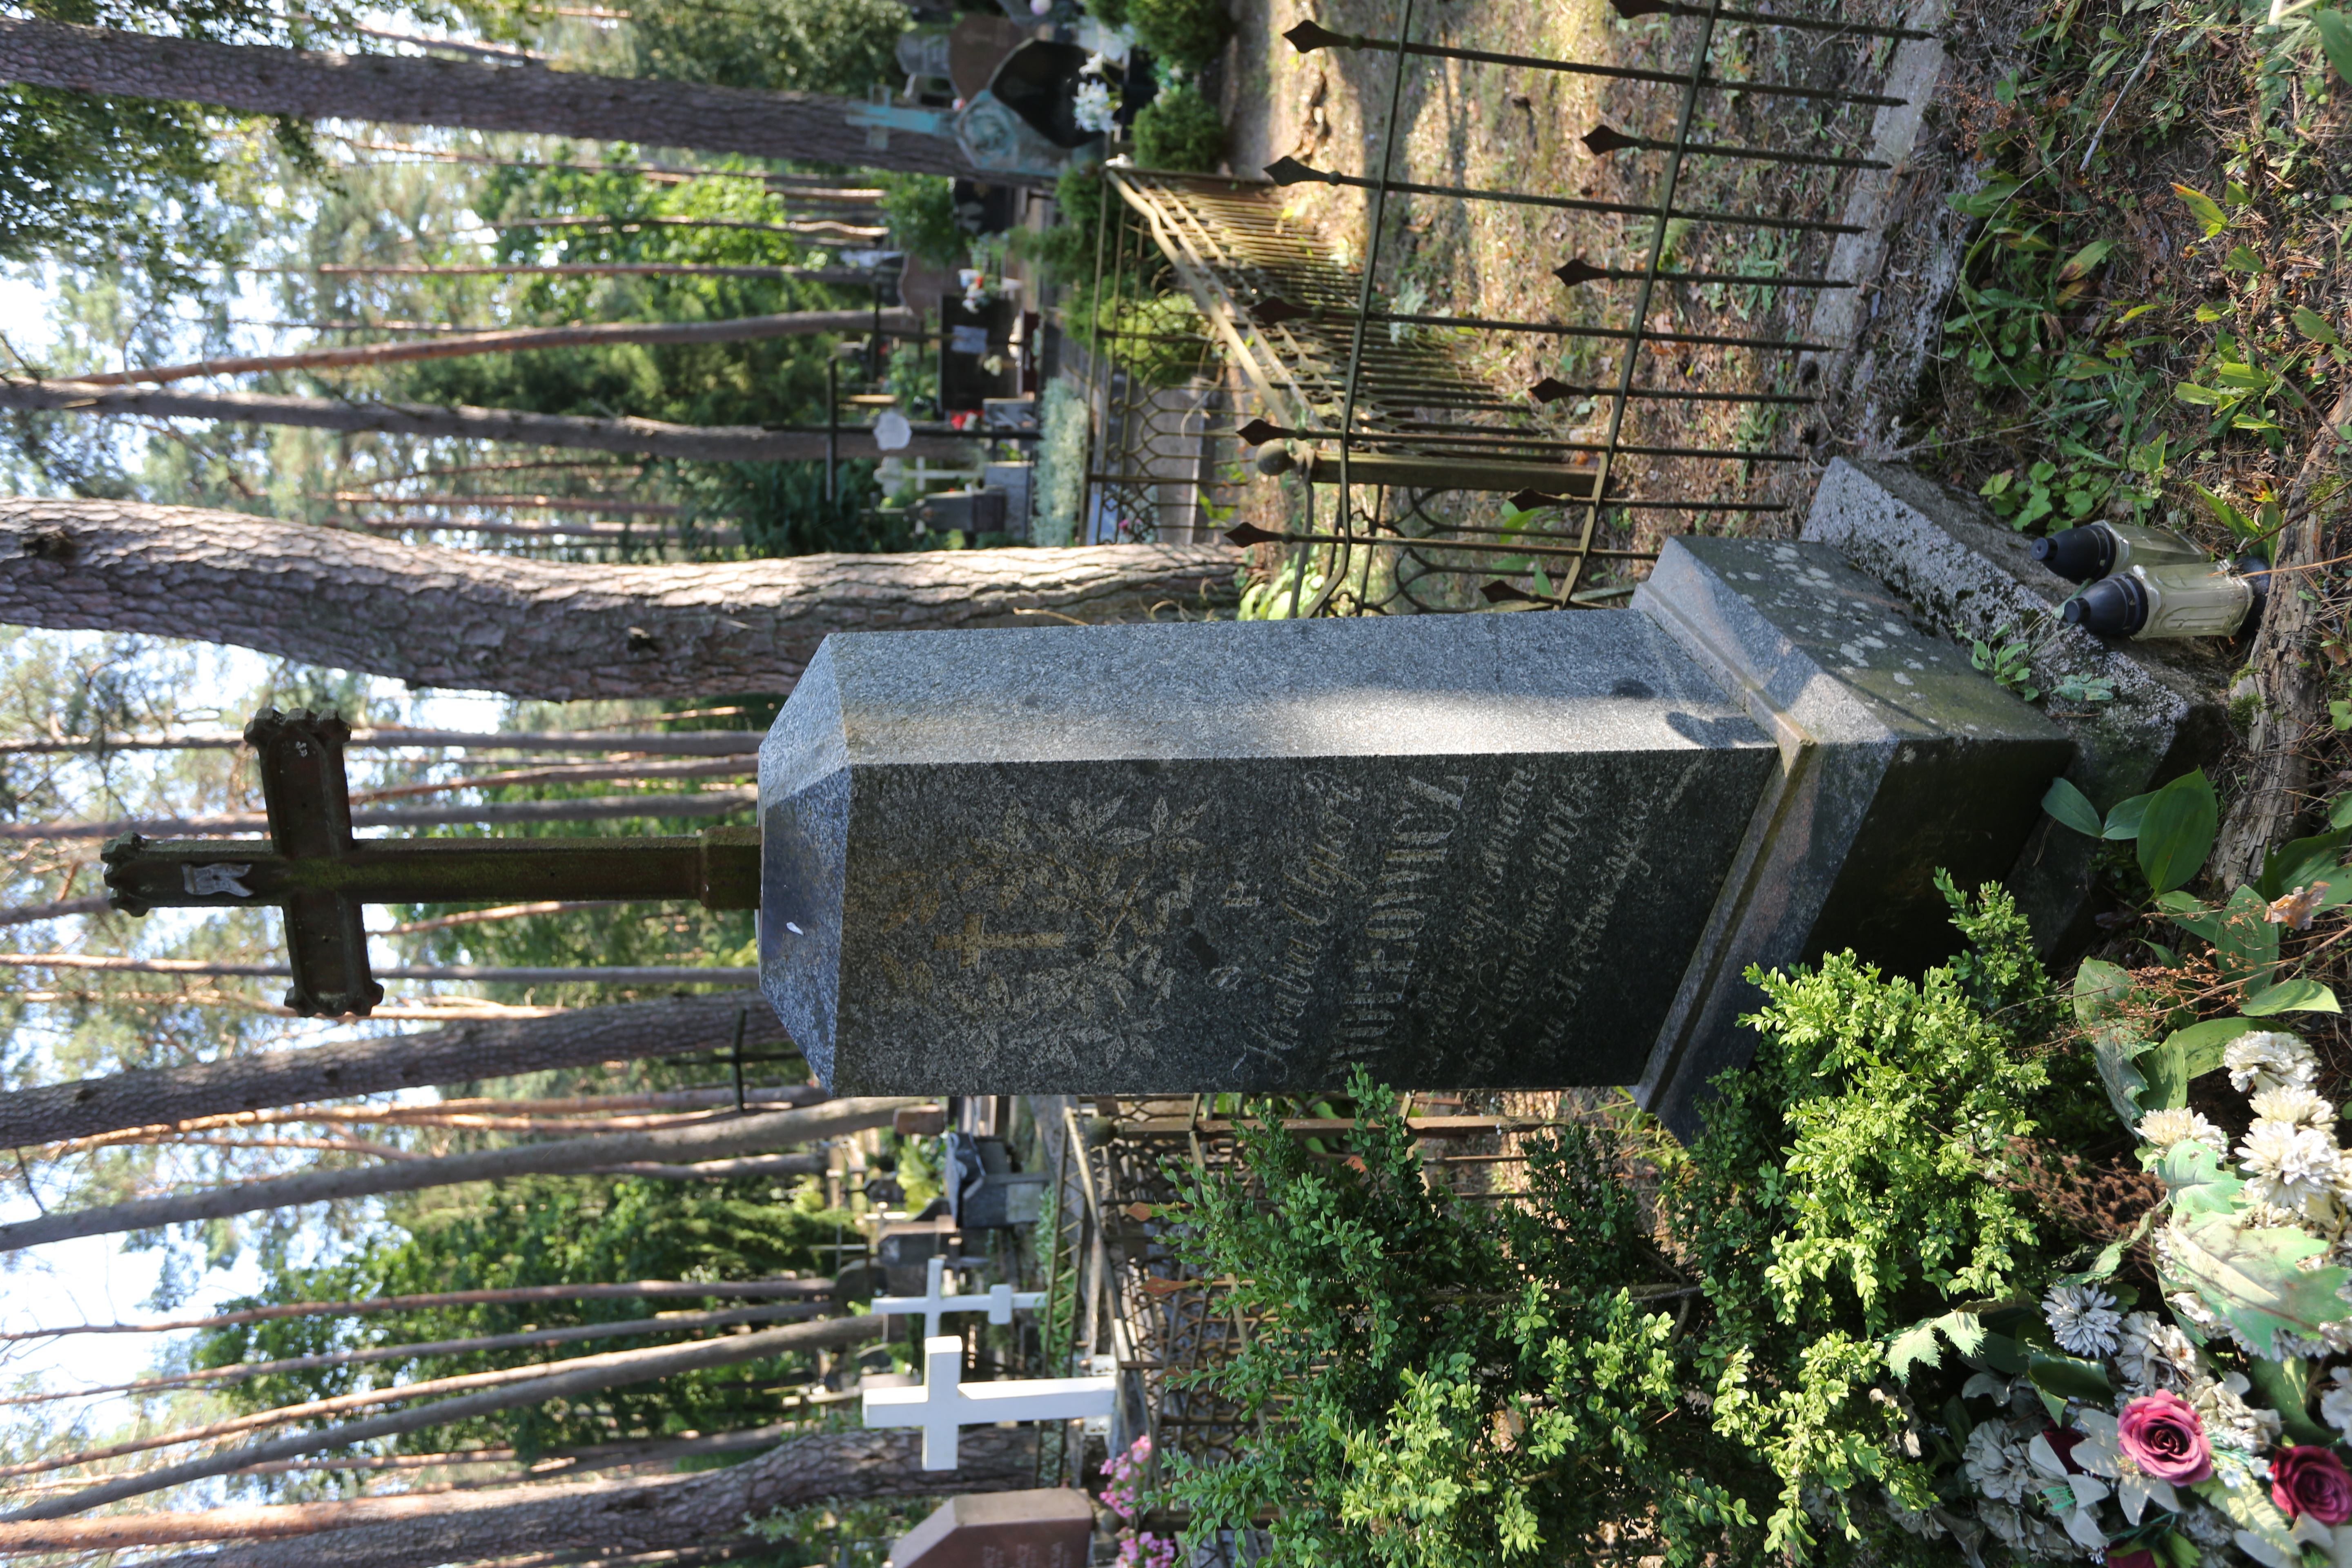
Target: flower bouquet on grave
2210, 1431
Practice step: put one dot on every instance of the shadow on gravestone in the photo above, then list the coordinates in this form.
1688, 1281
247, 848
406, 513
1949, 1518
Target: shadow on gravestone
1495, 851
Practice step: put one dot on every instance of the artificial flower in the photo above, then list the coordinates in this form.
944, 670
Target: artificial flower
2153, 1353
2288, 1164
1996, 1464
2311, 1481
2229, 1420
2076, 1496
2268, 1060
2162, 1435
2336, 1404
2293, 1103
1094, 109
2101, 1454
2165, 1128
2083, 1318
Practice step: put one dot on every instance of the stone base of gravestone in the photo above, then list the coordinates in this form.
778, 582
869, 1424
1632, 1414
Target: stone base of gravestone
1963, 573
1495, 851
1044, 1529
1898, 760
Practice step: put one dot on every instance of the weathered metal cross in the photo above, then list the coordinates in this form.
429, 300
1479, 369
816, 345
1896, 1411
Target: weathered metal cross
313, 868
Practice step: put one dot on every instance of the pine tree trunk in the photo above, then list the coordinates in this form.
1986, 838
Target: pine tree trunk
648, 437
459, 1053
714, 1141
523, 339
500, 1390
396, 89
511, 1296
536, 1339
663, 1513
538, 628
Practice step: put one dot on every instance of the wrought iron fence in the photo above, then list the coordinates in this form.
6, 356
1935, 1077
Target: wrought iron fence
1380, 409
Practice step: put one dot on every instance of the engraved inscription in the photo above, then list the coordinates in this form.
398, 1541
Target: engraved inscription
1404, 896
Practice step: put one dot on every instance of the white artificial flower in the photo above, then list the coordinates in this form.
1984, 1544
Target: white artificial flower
2153, 1354
1996, 1464
2083, 1318
2102, 1455
2294, 1103
2286, 1164
2269, 1061
1098, 64
1094, 105
2165, 1128
2190, 1306
2230, 1421
2336, 1404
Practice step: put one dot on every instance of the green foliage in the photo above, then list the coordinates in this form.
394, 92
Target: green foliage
783, 46
783, 510
1434, 1371
1446, 1384
540, 1231
1187, 33
1180, 129
1838, 1193
777, 381
921, 210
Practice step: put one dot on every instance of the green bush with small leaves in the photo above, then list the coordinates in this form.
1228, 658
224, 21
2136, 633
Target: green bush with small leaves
1187, 33
1180, 129
1695, 1348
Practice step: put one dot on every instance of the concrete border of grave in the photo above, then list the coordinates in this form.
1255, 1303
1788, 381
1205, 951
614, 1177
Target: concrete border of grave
1048, 1527
1967, 577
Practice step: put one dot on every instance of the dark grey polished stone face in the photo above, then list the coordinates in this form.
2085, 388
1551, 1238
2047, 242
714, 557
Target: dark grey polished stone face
1474, 849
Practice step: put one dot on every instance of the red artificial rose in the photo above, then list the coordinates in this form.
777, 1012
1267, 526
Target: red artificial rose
2138, 1557
2311, 1481
2161, 1433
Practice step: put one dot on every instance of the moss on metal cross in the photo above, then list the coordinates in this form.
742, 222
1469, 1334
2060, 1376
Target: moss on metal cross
313, 868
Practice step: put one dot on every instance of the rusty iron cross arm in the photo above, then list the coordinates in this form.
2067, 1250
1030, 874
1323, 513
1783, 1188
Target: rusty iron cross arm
313, 868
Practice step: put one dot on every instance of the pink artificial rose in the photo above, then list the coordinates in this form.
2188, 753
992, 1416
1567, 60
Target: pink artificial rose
2161, 1434
2311, 1481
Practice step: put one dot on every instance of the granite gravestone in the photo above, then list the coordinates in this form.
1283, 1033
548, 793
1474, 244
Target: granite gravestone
1495, 851
1046, 1529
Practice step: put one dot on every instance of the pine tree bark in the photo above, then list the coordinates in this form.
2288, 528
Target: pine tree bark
647, 437
511, 1296
663, 1513
523, 339
459, 1053
397, 90
500, 1390
536, 1339
539, 628
715, 1141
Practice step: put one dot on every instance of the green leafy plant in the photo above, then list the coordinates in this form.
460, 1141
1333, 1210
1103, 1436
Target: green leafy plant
2008, 659
1186, 34
1180, 129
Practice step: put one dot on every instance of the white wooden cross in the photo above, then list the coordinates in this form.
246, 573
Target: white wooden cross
945, 1403
939, 1298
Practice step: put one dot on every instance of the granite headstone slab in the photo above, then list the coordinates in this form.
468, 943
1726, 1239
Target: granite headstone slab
1463, 849
1043, 1528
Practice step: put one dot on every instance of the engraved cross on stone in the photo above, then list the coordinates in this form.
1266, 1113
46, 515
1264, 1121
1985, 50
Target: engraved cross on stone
312, 868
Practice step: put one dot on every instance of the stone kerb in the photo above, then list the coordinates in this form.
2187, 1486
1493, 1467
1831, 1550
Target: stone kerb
1965, 575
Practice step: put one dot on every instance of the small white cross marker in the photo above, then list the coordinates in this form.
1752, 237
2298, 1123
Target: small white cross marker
939, 1298
945, 1403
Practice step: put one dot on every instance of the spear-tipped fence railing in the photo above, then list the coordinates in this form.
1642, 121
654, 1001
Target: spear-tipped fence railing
1380, 409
